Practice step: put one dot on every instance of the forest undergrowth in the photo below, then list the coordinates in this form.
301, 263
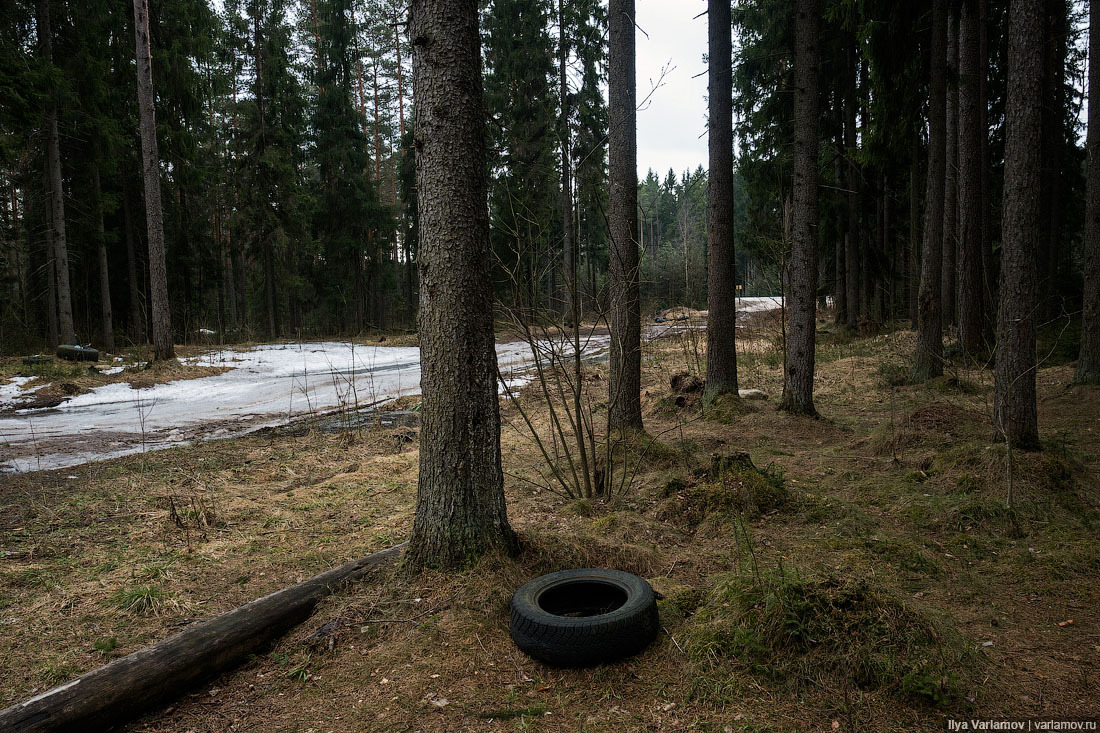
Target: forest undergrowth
881, 568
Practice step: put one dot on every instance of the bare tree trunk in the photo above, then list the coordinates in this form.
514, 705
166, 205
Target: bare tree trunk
1049, 255
989, 277
400, 82
1014, 390
267, 247
134, 268
722, 266
626, 350
56, 189
914, 241
1088, 363
971, 285
948, 283
154, 211
569, 242
798, 383
851, 238
840, 286
51, 286
460, 509
928, 359
104, 275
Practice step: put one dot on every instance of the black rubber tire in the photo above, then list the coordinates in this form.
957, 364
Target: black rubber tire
541, 628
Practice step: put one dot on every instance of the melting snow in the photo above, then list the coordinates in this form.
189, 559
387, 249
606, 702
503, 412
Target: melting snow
266, 385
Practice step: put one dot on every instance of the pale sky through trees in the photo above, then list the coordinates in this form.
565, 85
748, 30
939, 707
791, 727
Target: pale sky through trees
672, 126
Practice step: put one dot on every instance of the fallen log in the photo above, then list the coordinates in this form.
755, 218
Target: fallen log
133, 684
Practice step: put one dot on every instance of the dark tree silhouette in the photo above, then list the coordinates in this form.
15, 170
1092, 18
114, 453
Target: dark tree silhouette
154, 212
1014, 405
928, 360
798, 384
626, 326
722, 265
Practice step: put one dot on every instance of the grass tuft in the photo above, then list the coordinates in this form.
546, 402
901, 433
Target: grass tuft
734, 486
829, 632
140, 600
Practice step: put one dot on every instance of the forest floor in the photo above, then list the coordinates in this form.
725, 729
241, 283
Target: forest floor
868, 574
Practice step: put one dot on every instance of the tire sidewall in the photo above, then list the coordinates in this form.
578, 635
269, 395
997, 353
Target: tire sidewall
639, 596
566, 641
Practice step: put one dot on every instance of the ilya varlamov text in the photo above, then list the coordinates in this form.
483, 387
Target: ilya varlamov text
1022, 725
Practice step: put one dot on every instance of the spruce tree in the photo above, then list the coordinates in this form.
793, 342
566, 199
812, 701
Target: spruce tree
348, 214
519, 56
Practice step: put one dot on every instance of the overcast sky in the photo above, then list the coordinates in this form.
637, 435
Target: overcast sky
672, 127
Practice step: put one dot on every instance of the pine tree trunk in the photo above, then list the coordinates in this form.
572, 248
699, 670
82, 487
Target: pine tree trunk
460, 510
1088, 363
1014, 407
914, 241
626, 352
722, 264
798, 384
971, 285
851, 239
989, 275
269, 286
928, 359
948, 283
154, 211
56, 189
133, 270
840, 291
1049, 254
51, 287
104, 275
569, 242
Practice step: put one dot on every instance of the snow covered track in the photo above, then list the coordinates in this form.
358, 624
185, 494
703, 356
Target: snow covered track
265, 386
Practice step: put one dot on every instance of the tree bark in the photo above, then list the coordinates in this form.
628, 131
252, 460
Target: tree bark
971, 285
106, 319
56, 189
1049, 256
460, 509
1014, 406
51, 286
722, 265
569, 242
133, 270
626, 351
851, 238
989, 277
914, 241
1088, 363
840, 287
948, 284
928, 359
154, 211
798, 383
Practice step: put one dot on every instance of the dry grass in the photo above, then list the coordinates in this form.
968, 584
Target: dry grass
897, 499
